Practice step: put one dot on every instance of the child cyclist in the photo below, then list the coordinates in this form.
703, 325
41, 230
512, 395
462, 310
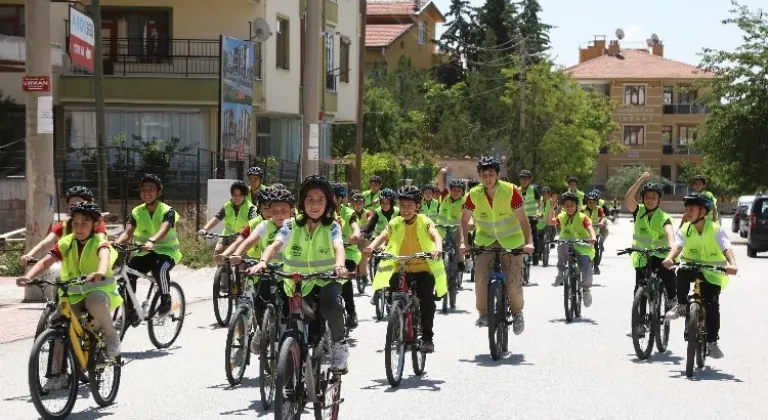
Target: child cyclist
701, 240
383, 214
256, 183
430, 205
452, 196
408, 234
596, 215
311, 243
574, 225
153, 226
363, 215
350, 232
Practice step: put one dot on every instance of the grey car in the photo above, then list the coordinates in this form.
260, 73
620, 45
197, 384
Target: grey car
757, 227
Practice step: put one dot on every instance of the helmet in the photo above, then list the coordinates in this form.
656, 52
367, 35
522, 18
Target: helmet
488, 162
695, 198
79, 191
572, 179
409, 192
701, 178
387, 194
525, 173
473, 182
375, 178
281, 195
357, 197
86, 208
569, 196
238, 185
545, 190
255, 170
278, 186
430, 187
153, 179
652, 186
596, 191
457, 183
340, 190
591, 196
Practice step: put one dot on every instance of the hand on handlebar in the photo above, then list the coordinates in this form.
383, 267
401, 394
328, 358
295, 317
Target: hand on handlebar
731, 269
341, 271
667, 263
94, 277
354, 239
25, 259
592, 241
22, 282
256, 268
528, 248
437, 254
235, 259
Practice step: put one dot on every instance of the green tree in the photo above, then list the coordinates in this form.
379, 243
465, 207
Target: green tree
535, 32
619, 184
456, 37
719, 180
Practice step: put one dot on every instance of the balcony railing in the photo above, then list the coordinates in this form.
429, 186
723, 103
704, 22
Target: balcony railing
677, 149
686, 109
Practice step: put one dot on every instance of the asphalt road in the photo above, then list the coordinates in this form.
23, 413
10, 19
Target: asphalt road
584, 370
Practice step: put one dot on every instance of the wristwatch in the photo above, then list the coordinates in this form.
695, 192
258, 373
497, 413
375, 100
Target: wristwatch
151, 240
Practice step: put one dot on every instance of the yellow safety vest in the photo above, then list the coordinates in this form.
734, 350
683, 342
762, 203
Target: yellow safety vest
572, 229
498, 223
307, 254
430, 208
704, 249
75, 265
530, 203
147, 226
382, 220
352, 252
256, 250
235, 220
649, 233
450, 213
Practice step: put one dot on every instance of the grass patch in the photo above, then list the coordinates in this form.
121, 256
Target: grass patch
197, 253
10, 265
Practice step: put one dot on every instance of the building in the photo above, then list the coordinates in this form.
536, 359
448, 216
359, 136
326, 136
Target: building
658, 113
161, 65
401, 28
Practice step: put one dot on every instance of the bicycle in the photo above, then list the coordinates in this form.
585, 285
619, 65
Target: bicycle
50, 304
546, 239
572, 293
647, 315
500, 316
355, 276
144, 311
300, 377
232, 289
379, 296
451, 268
696, 320
599, 250
78, 345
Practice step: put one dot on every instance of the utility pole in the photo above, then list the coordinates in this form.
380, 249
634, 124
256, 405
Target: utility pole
98, 88
523, 64
39, 146
360, 96
310, 144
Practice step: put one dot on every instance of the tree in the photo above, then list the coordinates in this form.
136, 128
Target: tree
535, 33
456, 38
622, 181
734, 137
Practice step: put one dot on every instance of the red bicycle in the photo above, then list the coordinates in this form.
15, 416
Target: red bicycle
404, 324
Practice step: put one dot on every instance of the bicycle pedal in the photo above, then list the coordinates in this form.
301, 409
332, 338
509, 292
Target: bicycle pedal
336, 372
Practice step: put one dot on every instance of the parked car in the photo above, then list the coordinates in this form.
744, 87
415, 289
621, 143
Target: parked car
757, 234
738, 214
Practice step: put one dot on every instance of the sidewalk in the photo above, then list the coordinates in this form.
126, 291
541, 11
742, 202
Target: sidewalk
18, 319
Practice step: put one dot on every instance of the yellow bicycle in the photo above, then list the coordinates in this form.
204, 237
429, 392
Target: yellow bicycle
70, 347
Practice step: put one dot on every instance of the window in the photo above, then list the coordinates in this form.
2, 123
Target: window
685, 135
344, 60
12, 20
634, 95
422, 33
634, 135
330, 77
668, 95
282, 43
666, 171
686, 96
666, 135
137, 32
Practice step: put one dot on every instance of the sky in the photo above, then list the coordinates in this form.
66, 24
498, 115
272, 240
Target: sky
684, 26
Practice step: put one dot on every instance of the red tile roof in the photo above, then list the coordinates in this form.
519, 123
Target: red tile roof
386, 8
383, 35
635, 64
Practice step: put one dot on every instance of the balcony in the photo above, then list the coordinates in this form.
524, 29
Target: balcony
677, 149
685, 109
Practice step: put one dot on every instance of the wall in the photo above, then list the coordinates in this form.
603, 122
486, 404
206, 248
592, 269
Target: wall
282, 86
349, 26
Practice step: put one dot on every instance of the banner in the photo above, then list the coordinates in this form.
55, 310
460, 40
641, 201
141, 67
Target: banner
236, 97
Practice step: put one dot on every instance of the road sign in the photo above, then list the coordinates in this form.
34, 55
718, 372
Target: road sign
81, 39
36, 83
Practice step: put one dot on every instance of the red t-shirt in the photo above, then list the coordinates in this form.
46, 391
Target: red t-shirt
517, 200
56, 252
58, 229
246, 232
587, 222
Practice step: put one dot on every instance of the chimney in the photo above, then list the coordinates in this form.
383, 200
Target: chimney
658, 49
595, 49
613, 48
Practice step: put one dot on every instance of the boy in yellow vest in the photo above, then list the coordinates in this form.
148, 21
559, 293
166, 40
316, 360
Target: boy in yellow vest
496, 208
153, 226
373, 194
430, 205
703, 241
573, 186
256, 181
596, 215
408, 234
452, 198
350, 231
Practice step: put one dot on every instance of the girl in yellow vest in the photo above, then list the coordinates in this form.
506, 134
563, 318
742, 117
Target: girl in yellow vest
235, 213
596, 215
383, 214
452, 198
373, 194
313, 243
574, 225
153, 226
363, 215
256, 180
350, 232
408, 234
430, 204
703, 241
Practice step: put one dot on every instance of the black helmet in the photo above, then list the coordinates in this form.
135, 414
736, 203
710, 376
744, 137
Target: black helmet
375, 178
525, 173
79, 191
262, 197
701, 178
357, 197
340, 190
281, 195
430, 186
591, 196
569, 196
86, 208
596, 191
695, 198
153, 179
472, 183
652, 186
545, 190
457, 183
387, 194
409, 192
238, 185
321, 182
255, 170
278, 186
572, 179
488, 162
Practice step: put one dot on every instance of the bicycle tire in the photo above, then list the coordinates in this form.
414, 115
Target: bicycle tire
691, 335
360, 283
268, 356
701, 334
239, 321
545, 254
567, 295
662, 324
97, 356
395, 333
642, 352
418, 357
42, 323
576, 296
289, 367
35, 389
496, 321
223, 321
179, 320
120, 318
380, 301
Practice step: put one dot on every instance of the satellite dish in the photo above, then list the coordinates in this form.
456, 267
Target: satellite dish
620, 33
655, 39
261, 30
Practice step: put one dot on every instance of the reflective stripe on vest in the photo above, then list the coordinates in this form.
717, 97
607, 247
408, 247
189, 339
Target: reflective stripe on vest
235, 220
530, 203
498, 223
450, 213
648, 233
704, 249
543, 221
308, 254
147, 226
573, 229
592, 214
78, 264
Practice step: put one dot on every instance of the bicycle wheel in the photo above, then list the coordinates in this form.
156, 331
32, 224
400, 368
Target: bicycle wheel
331, 398
42, 323
545, 253
576, 295
288, 386
701, 334
103, 375
394, 347
661, 323
380, 301
325, 380
497, 322
222, 302
120, 319
168, 327
418, 357
691, 335
237, 347
268, 356
642, 324
44, 346
526, 269
567, 301
360, 283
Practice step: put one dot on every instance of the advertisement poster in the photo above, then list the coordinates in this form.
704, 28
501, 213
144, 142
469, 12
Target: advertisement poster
236, 101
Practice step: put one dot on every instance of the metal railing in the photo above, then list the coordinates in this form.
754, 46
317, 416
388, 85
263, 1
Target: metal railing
686, 109
677, 149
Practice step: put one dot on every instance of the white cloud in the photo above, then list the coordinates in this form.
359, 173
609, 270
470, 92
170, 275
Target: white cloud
635, 34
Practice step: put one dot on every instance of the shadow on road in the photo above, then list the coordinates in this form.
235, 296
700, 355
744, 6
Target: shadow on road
148, 354
576, 320
93, 413
254, 407
707, 374
485, 360
214, 326
453, 311
247, 382
666, 358
412, 382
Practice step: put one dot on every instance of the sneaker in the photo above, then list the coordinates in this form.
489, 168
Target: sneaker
482, 321
676, 312
113, 345
558, 281
56, 383
596, 270
587, 294
427, 346
352, 320
374, 297
165, 306
339, 355
518, 326
714, 351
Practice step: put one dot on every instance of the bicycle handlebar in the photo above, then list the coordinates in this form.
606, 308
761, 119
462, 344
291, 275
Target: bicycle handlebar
209, 235
697, 266
126, 248
642, 251
405, 258
449, 227
273, 269
573, 242
22, 282
484, 250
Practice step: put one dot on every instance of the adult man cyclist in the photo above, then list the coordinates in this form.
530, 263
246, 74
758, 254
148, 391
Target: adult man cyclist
532, 206
430, 205
703, 241
350, 232
452, 198
256, 181
153, 226
573, 186
373, 193
500, 222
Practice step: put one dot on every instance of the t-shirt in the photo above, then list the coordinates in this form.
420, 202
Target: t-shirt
722, 239
251, 212
55, 252
587, 222
600, 212
284, 234
58, 229
517, 200
411, 245
170, 217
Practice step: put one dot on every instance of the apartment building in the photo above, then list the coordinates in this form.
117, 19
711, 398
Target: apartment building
658, 113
